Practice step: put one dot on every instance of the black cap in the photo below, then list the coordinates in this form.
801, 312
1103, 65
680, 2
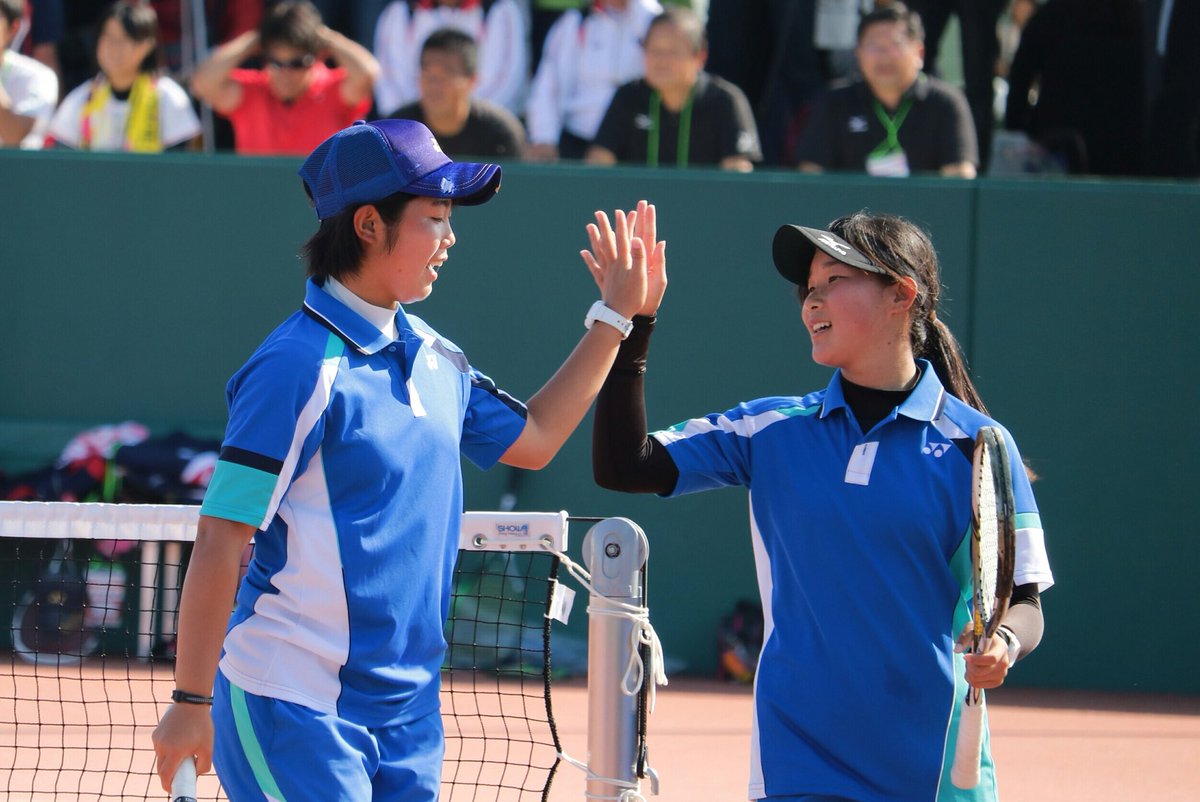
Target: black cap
795, 246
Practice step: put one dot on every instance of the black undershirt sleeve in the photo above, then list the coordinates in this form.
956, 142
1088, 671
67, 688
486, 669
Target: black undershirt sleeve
624, 457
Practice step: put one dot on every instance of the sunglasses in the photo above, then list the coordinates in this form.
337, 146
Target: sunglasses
299, 63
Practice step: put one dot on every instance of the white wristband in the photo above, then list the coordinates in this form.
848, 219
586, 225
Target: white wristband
1014, 645
603, 313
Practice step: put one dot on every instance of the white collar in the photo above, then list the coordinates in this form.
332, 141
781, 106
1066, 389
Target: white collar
380, 317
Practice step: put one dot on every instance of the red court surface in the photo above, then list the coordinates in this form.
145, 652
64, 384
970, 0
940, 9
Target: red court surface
1050, 746
1057, 746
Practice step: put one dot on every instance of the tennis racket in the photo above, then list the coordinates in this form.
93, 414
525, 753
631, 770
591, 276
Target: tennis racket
992, 545
183, 784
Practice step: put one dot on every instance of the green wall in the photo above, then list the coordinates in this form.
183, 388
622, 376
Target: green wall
134, 287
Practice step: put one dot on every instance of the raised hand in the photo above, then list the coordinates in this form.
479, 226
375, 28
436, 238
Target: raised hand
646, 229
617, 262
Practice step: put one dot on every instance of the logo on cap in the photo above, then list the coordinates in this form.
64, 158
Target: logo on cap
447, 185
832, 243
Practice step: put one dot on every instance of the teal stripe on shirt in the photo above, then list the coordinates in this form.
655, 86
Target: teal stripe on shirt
1028, 520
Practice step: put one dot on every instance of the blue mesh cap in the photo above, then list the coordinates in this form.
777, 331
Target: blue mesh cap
370, 161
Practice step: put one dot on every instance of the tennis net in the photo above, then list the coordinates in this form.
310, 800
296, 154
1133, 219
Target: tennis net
93, 590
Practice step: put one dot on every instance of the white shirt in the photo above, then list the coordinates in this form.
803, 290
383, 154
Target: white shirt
500, 34
33, 89
584, 60
177, 121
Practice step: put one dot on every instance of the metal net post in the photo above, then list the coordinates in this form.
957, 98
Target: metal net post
614, 551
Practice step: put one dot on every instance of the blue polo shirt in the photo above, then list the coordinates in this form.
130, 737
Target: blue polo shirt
863, 561
342, 450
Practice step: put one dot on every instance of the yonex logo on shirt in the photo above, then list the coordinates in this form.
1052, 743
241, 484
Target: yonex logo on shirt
936, 449
857, 124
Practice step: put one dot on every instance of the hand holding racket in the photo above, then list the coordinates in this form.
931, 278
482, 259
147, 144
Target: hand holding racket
993, 541
184, 734
183, 784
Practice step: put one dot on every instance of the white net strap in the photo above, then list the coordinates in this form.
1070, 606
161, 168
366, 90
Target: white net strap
630, 791
643, 632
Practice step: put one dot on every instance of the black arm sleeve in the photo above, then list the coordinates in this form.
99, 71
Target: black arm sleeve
1024, 617
623, 456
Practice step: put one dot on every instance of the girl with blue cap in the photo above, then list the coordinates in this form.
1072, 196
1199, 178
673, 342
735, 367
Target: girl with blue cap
341, 459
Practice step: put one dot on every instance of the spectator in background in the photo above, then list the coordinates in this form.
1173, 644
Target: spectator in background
1084, 61
588, 54
768, 49
127, 106
497, 26
543, 14
977, 25
28, 88
296, 102
896, 120
677, 115
1175, 129
186, 32
464, 125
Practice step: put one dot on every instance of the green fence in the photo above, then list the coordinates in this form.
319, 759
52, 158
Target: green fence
133, 287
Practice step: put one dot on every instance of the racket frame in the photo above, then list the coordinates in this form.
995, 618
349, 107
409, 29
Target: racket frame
991, 451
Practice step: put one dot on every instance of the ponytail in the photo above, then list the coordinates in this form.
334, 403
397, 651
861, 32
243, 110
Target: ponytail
939, 346
906, 251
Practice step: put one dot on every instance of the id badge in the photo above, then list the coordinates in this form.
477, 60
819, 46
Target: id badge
892, 164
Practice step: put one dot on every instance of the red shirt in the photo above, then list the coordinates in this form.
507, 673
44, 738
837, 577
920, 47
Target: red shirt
263, 125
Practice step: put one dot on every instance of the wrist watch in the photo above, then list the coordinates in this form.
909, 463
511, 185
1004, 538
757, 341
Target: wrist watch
1014, 645
603, 313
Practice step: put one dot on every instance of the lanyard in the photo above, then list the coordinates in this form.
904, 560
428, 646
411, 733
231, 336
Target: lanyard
685, 130
141, 133
892, 125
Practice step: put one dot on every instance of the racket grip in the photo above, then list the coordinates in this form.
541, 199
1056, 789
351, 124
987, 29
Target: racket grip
968, 750
183, 784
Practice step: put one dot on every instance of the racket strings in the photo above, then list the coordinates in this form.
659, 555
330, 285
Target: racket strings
992, 559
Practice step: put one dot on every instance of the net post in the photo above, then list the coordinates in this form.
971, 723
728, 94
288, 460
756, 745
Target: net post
614, 552
147, 593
